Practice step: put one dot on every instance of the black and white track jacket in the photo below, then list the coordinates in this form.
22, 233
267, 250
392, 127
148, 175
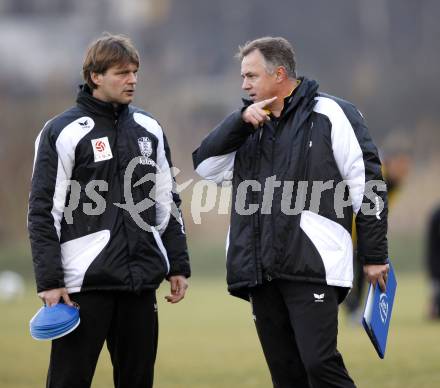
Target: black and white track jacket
93, 165
299, 231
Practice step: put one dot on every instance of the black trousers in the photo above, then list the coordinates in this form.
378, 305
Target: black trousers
297, 324
129, 324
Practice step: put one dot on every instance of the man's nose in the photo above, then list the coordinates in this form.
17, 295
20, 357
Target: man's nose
245, 85
133, 78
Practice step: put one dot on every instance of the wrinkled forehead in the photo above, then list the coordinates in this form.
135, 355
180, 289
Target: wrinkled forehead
253, 62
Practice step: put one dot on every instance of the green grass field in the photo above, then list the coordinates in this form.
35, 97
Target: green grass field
209, 340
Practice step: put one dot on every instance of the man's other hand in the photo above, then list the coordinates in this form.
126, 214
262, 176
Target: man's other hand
52, 297
377, 273
178, 286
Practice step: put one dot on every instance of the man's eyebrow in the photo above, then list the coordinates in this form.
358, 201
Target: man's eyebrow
126, 66
125, 70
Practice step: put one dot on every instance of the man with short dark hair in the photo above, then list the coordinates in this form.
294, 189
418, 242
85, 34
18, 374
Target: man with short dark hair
302, 164
101, 235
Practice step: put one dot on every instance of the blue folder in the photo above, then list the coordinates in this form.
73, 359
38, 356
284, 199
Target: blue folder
377, 313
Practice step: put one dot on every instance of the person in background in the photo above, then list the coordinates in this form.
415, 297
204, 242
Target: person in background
396, 165
92, 241
433, 262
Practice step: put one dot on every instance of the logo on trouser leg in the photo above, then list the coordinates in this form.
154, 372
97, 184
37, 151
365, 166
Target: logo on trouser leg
319, 298
254, 317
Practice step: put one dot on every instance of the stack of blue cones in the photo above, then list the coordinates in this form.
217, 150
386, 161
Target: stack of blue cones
54, 322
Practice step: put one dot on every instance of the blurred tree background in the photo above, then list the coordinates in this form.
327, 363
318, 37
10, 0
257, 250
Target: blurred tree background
380, 54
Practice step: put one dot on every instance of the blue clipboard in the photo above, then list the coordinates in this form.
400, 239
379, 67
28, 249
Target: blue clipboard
377, 313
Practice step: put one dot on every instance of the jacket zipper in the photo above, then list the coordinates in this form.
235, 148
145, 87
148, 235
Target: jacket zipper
121, 188
307, 145
256, 217
272, 218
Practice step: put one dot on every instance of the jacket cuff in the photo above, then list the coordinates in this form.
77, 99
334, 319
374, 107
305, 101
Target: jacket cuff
50, 284
371, 260
179, 270
243, 124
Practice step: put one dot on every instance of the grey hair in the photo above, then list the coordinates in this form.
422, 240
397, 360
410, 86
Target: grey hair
276, 52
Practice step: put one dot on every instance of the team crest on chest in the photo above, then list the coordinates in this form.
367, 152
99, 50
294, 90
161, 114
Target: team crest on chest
146, 149
101, 149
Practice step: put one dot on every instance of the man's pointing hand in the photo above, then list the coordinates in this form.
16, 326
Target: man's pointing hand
255, 113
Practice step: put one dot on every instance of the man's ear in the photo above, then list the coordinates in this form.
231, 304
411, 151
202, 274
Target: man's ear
281, 73
96, 78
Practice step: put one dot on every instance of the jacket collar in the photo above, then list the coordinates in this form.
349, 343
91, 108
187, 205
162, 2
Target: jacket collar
86, 101
304, 93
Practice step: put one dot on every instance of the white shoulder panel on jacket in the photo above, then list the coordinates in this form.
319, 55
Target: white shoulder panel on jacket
346, 149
